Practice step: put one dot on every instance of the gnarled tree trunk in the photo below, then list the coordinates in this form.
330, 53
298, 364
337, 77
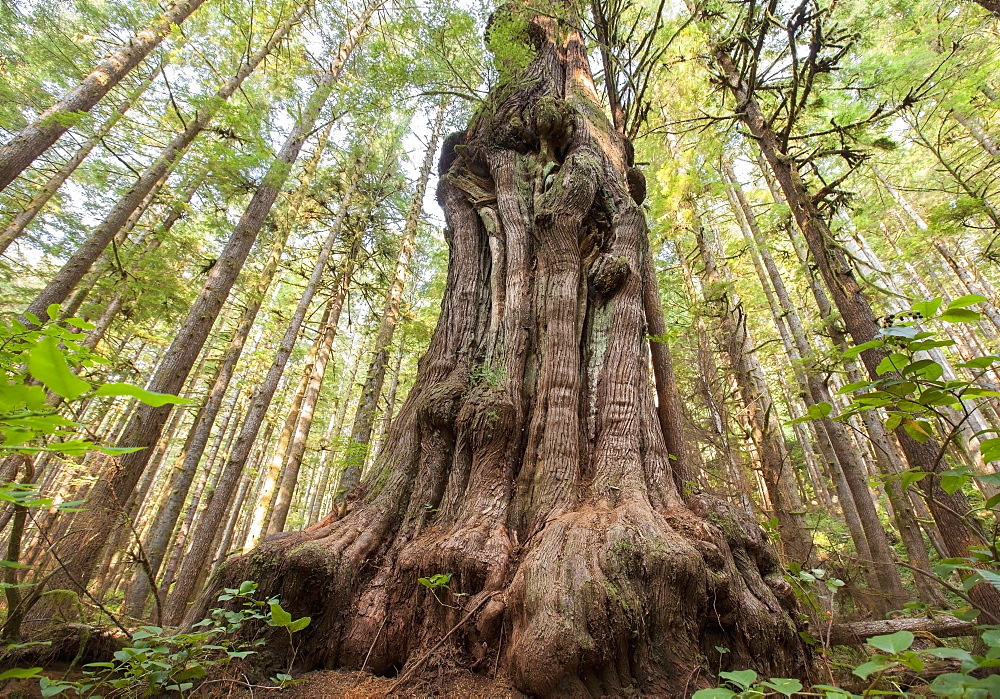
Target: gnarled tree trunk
528, 461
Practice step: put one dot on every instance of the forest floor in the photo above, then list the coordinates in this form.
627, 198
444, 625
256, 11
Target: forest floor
357, 685
334, 684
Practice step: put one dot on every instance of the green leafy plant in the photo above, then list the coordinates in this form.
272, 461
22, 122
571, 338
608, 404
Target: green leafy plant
159, 661
436, 582
39, 385
889, 651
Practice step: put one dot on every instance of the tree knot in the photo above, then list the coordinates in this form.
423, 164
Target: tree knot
554, 124
608, 274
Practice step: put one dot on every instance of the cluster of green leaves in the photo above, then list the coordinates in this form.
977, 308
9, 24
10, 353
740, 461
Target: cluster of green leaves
913, 393
436, 582
889, 651
158, 661
39, 383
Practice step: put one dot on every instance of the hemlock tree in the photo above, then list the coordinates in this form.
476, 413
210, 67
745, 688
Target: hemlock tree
528, 467
34, 139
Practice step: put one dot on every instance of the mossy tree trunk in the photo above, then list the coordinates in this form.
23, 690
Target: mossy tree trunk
528, 461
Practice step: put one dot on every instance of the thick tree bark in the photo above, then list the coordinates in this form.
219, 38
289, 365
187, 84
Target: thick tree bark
528, 462
92, 526
34, 139
60, 286
959, 533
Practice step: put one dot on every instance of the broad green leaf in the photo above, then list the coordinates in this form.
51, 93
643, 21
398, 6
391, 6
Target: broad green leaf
964, 301
20, 673
929, 344
993, 579
894, 362
47, 363
955, 653
299, 624
953, 481
960, 315
927, 309
980, 362
926, 368
907, 331
951, 684
279, 616
893, 642
715, 693
80, 323
865, 670
740, 678
858, 349
17, 395
784, 686
856, 386
148, 397
820, 410
918, 429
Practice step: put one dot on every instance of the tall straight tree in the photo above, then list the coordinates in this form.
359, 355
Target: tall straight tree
66, 279
38, 201
201, 548
91, 527
738, 345
960, 534
155, 545
528, 460
364, 418
35, 138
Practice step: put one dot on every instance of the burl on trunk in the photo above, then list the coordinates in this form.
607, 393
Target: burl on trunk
528, 461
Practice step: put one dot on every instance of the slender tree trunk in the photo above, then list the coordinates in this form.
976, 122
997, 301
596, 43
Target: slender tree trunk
390, 395
303, 422
35, 138
335, 433
166, 517
738, 488
272, 472
197, 557
20, 222
72, 272
960, 534
93, 525
738, 344
974, 127
364, 418
888, 584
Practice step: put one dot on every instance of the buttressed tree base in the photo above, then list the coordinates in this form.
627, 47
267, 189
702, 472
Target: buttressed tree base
528, 462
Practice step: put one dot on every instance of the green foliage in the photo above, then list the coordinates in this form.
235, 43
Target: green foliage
890, 651
507, 38
48, 356
159, 661
436, 582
